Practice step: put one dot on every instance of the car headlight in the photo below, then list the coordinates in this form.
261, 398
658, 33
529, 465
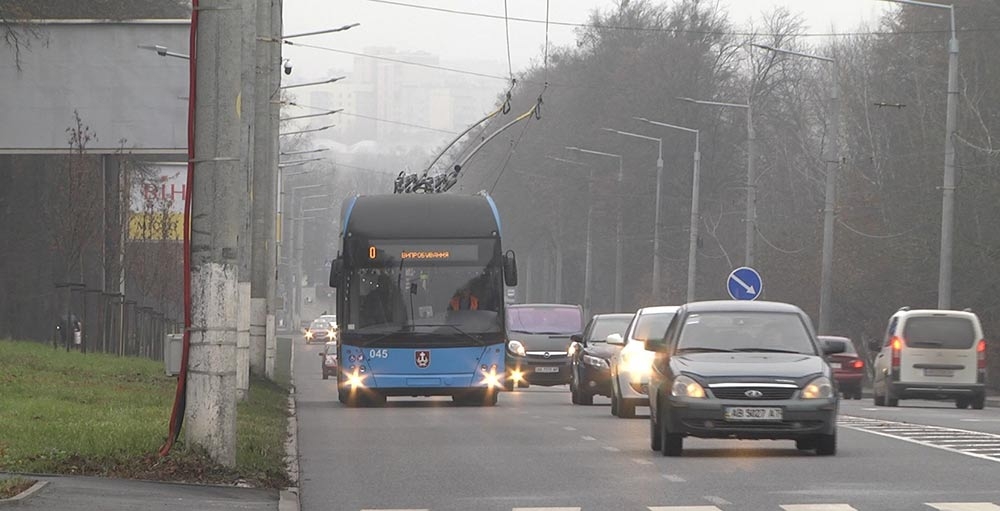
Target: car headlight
595, 361
309, 335
685, 386
516, 348
820, 388
637, 362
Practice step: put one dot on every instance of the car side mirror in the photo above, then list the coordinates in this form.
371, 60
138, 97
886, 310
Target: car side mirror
833, 347
321, 354
615, 339
656, 345
874, 345
510, 268
336, 272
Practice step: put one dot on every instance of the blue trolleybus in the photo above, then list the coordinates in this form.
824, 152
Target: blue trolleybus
420, 283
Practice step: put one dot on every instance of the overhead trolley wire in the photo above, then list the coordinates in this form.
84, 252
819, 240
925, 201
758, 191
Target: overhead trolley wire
674, 30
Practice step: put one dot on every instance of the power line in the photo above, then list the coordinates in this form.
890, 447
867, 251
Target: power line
398, 61
378, 119
670, 30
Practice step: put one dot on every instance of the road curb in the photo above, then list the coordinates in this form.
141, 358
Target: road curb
288, 499
26, 494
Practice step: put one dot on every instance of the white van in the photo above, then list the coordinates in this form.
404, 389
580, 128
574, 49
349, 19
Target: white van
931, 354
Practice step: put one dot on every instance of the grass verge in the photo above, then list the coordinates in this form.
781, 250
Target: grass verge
97, 414
13, 486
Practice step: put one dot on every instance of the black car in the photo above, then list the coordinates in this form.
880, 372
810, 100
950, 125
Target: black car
589, 356
538, 350
737, 369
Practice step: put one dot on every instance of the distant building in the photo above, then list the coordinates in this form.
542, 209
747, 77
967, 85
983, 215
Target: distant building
445, 101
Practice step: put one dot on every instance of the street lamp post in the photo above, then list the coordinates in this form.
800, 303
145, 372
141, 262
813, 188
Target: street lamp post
695, 195
618, 228
948, 188
657, 228
589, 247
751, 215
832, 158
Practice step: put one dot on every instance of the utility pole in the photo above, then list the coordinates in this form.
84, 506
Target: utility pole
248, 76
832, 158
210, 414
261, 210
274, 105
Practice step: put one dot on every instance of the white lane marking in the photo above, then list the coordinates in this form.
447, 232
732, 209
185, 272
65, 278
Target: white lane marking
535, 417
683, 508
818, 507
589, 438
569, 428
964, 506
611, 449
871, 409
886, 428
673, 478
718, 501
642, 461
546, 509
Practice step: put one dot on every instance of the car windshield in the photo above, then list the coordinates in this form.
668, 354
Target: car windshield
603, 327
319, 325
745, 331
544, 320
651, 325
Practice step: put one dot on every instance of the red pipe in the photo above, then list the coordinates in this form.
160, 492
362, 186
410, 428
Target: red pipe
177, 413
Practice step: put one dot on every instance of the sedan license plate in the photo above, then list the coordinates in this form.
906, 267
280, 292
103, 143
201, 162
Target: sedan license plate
547, 369
835, 365
939, 372
747, 413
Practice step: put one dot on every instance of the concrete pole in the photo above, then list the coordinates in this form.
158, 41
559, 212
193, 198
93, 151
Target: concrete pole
587, 265
948, 189
829, 206
210, 414
243, 343
271, 265
695, 215
559, 272
657, 228
618, 241
751, 216
262, 169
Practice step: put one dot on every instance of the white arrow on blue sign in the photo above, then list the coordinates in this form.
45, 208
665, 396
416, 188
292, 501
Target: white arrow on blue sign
744, 283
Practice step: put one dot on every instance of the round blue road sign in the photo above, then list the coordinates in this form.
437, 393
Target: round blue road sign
744, 283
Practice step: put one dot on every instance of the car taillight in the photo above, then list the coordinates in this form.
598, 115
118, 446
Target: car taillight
858, 364
896, 344
981, 361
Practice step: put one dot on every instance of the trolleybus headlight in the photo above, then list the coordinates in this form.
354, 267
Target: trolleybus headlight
491, 379
516, 348
356, 380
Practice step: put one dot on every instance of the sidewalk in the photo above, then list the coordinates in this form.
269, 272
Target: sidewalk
81, 493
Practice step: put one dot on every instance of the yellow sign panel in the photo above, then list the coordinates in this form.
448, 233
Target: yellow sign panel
160, 226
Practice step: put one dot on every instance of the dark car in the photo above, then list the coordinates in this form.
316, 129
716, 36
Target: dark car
590, 356
538, 350
739, 369
329, 360
848, 367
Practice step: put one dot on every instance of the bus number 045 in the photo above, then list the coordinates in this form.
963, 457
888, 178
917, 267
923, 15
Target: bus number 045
383, 353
